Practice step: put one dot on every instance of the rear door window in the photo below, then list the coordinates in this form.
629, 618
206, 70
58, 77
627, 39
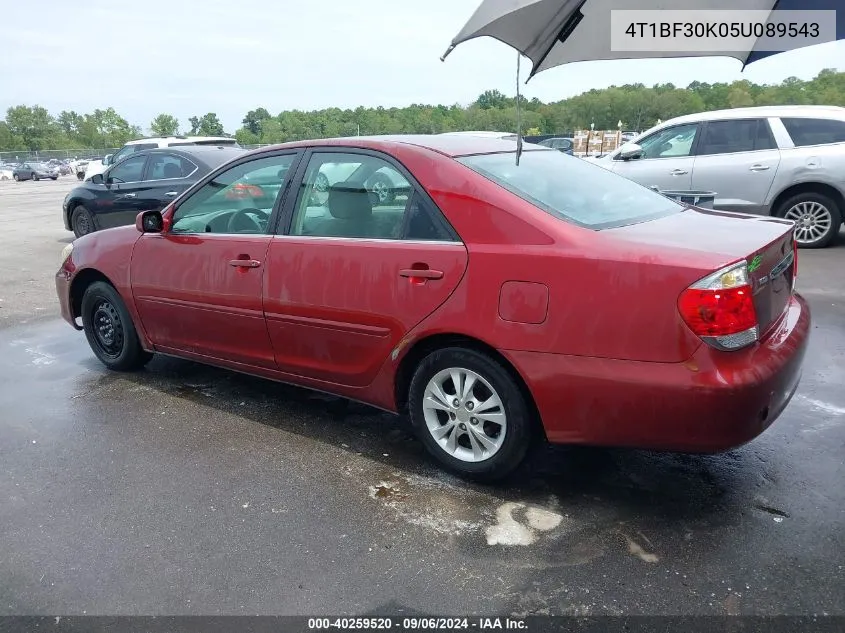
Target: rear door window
736, 135
169, 166
806, 132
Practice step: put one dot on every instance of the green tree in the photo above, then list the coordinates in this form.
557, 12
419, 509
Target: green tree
254, 118
206, 125
164, 125
32, 125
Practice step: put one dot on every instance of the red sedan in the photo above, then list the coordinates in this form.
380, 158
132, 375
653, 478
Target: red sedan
495, 303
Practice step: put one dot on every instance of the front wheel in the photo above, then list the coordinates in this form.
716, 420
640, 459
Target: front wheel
54, 177
470, 413
109, 329
816, 217
34, 176
16, 177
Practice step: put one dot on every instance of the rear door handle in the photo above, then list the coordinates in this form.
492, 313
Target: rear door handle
678, 172
421, 273
172, 194
128, 195
759, 167
245, 263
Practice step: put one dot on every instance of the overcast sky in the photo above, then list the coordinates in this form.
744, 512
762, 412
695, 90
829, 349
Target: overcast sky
189, 57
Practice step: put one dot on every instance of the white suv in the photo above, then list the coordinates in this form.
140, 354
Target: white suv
787, 161
95, 167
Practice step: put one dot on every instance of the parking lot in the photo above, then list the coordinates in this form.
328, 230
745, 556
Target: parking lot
184, 489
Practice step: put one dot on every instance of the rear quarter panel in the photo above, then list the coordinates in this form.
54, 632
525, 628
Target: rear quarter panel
607, 298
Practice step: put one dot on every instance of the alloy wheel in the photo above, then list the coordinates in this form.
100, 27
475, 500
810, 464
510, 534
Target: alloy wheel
812, 220
464, 414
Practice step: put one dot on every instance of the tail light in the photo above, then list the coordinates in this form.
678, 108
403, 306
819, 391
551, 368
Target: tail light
242, 191
720, 309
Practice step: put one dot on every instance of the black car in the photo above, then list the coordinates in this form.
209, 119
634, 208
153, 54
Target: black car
144, 181
562, 144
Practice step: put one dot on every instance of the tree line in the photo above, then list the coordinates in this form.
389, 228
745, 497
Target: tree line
637, 106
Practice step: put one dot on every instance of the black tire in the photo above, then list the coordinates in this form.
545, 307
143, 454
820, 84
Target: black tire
383, 188
34, 176
109, 329
519, 424
54, 177
80, 175
791, 209
16, 177
81, 221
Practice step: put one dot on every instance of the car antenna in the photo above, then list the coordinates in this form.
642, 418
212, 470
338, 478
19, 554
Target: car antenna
518, 113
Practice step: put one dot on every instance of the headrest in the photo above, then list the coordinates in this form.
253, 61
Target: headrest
172, 170
350, 202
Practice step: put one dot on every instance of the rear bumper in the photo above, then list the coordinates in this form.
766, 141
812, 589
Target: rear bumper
713, 402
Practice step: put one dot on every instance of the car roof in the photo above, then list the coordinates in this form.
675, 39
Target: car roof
178, 139
453, 145
212, 155
823, 111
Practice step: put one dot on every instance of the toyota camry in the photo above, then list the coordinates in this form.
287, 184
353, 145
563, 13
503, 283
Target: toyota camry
495, 299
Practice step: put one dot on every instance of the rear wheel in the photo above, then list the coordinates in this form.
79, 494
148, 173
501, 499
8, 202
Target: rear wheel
16, 177
34, 176
81, 221
109, 329
816, 217
470, 413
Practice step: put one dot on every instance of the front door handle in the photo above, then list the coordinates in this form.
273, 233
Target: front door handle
759, 167
245, 263
678, 172
172, 194
128, 195
421, 273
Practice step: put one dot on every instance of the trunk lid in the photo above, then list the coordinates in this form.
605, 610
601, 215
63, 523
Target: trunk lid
765, 243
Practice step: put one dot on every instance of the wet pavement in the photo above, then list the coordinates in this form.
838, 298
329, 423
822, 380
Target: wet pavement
184, 489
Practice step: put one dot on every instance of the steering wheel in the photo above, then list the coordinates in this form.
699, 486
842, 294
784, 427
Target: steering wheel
242, 222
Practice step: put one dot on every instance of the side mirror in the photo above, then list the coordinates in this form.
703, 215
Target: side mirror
630, 151
107, 159
97, 179
149, 222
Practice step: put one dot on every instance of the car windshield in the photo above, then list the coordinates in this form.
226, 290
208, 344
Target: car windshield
573, 189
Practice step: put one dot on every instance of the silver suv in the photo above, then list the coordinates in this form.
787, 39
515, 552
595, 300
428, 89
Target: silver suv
787, 161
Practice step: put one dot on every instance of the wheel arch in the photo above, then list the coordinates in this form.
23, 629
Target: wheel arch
81, 281
809, 187
430, 343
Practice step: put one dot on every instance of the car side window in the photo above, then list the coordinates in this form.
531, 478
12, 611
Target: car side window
130, 170
806, 132
123, 153
238, 200
425, 223
737, 135
672, 142
169, 166
353, 196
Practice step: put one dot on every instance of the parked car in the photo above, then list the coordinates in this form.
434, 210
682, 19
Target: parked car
6, 171
97, 166
143, 181
786, 161
494, 306
505, 136
561, 144
60, 166
34, 171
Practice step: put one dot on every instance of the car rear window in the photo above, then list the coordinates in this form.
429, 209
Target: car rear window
573, 189
806, 132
